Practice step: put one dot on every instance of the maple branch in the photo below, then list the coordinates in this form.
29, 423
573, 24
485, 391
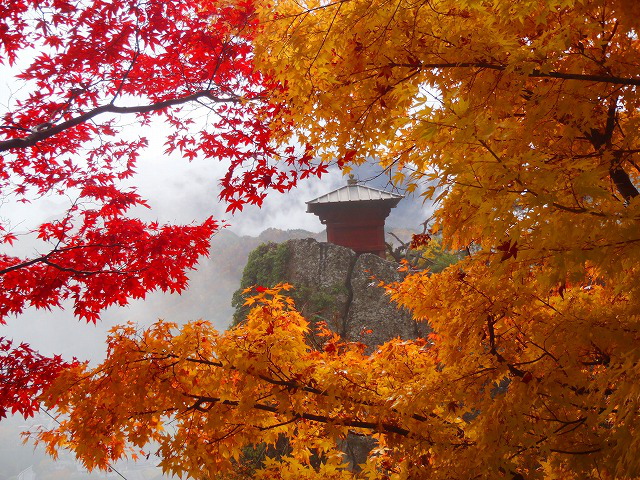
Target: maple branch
289, 384
584, 77
26, 264
569, 452
326, 35
55, 251
602, 139
44, 133
307, 11
14, 127
89, 272
378, 427
622, 181
293, 385
492, 343
528, 191
275, 425
367, 111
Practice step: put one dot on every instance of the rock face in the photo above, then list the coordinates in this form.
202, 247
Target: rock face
372, 311
343, 291
335, 285
358, 308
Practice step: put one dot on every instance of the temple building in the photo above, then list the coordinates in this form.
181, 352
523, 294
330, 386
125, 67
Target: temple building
354, 216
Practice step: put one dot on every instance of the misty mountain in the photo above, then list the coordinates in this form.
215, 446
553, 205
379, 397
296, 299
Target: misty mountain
217, 277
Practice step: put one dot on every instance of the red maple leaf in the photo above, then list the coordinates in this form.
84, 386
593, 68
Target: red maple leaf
508, 250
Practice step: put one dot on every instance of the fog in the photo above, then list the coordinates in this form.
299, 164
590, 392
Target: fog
179, 193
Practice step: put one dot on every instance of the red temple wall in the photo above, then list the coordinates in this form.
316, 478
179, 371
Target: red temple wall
357, 227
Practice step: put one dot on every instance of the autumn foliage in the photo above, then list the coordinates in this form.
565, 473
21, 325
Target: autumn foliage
85, 73
523, 116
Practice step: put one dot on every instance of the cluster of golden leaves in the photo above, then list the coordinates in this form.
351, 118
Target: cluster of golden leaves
201, 397
524, 117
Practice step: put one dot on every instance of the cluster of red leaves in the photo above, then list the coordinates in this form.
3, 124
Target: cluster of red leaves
419, 240
100, 60
93, 65
110, 262
24, 374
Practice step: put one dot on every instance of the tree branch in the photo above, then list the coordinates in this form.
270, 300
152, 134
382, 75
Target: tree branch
630, 81
378, 427
623, 183
293, 385
602, 139
46, 258
43, 134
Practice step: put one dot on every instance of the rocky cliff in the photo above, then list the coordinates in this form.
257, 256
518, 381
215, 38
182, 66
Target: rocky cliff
360, 309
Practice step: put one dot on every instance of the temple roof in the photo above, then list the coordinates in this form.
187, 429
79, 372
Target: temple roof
356, 193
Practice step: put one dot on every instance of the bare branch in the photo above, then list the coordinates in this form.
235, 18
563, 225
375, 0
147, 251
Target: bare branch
46, 258
43, 134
